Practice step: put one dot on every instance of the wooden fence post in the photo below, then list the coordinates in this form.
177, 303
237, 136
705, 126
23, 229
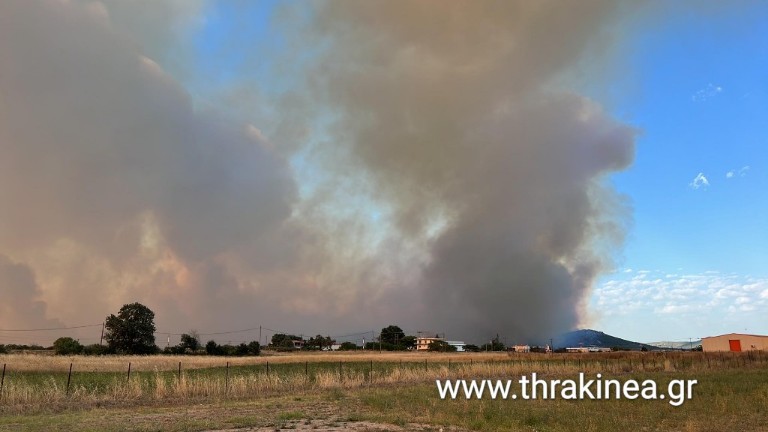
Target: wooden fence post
226, 381
69, 378
129, 372
2, 381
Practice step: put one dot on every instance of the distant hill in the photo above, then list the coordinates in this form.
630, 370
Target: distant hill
587, 337
676, 344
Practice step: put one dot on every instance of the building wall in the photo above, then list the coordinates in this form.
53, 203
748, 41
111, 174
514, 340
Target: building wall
422, 343
458, 344
743, 341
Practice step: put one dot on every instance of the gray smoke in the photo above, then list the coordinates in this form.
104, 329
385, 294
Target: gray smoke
425, 169
450, 110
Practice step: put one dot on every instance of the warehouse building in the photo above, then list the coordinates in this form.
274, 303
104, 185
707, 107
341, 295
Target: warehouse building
735, 342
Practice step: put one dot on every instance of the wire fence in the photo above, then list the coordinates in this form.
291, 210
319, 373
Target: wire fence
79, 384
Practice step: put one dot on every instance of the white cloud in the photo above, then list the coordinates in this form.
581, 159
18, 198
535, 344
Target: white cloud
742, 172
690, 295
707, 93
699, 181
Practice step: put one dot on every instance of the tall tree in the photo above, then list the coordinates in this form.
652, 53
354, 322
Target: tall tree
190, 342
132, 331
392, 334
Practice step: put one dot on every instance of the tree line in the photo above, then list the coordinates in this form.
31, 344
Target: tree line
132, 331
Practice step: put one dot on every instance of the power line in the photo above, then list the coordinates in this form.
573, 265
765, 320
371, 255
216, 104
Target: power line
50, 329
369, 332
228, 332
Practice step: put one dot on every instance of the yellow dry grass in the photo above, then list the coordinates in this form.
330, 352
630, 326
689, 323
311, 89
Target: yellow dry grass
24, 394
45, 363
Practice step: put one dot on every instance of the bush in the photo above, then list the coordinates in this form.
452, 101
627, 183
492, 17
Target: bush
384, 346
95, 349
348, 346
66, 346
174, 350
189, 342
212, 348
3, 350
441, 346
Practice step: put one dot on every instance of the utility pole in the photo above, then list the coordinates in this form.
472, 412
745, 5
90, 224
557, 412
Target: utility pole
101, 340
259, 334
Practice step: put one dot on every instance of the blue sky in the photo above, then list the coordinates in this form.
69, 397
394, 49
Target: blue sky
695, 83
698, 90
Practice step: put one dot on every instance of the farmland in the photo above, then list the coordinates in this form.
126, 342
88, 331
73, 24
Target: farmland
392, 388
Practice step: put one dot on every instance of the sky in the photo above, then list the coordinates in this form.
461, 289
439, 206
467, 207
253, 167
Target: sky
466, 168
694, 261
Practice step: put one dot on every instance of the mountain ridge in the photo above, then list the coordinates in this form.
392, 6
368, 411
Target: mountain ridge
589, 337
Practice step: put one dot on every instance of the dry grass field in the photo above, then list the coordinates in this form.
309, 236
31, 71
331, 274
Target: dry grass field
312, 390
51, 363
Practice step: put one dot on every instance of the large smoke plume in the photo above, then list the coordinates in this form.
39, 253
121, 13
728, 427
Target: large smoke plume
426, 169
449, 109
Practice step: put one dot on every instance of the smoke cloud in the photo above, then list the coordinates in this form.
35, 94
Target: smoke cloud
425, 168
451, 112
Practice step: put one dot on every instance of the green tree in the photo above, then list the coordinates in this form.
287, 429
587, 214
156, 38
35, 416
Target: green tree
392, 335
95, 349
494, 345
132, 331
212, 348
408, 342
441, 346
66, 346
348, 346
319, 342
189, 342
283, 340
254, 348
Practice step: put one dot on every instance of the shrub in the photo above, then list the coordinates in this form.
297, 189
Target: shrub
95, 349
348, 346
441, 346
66, 346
